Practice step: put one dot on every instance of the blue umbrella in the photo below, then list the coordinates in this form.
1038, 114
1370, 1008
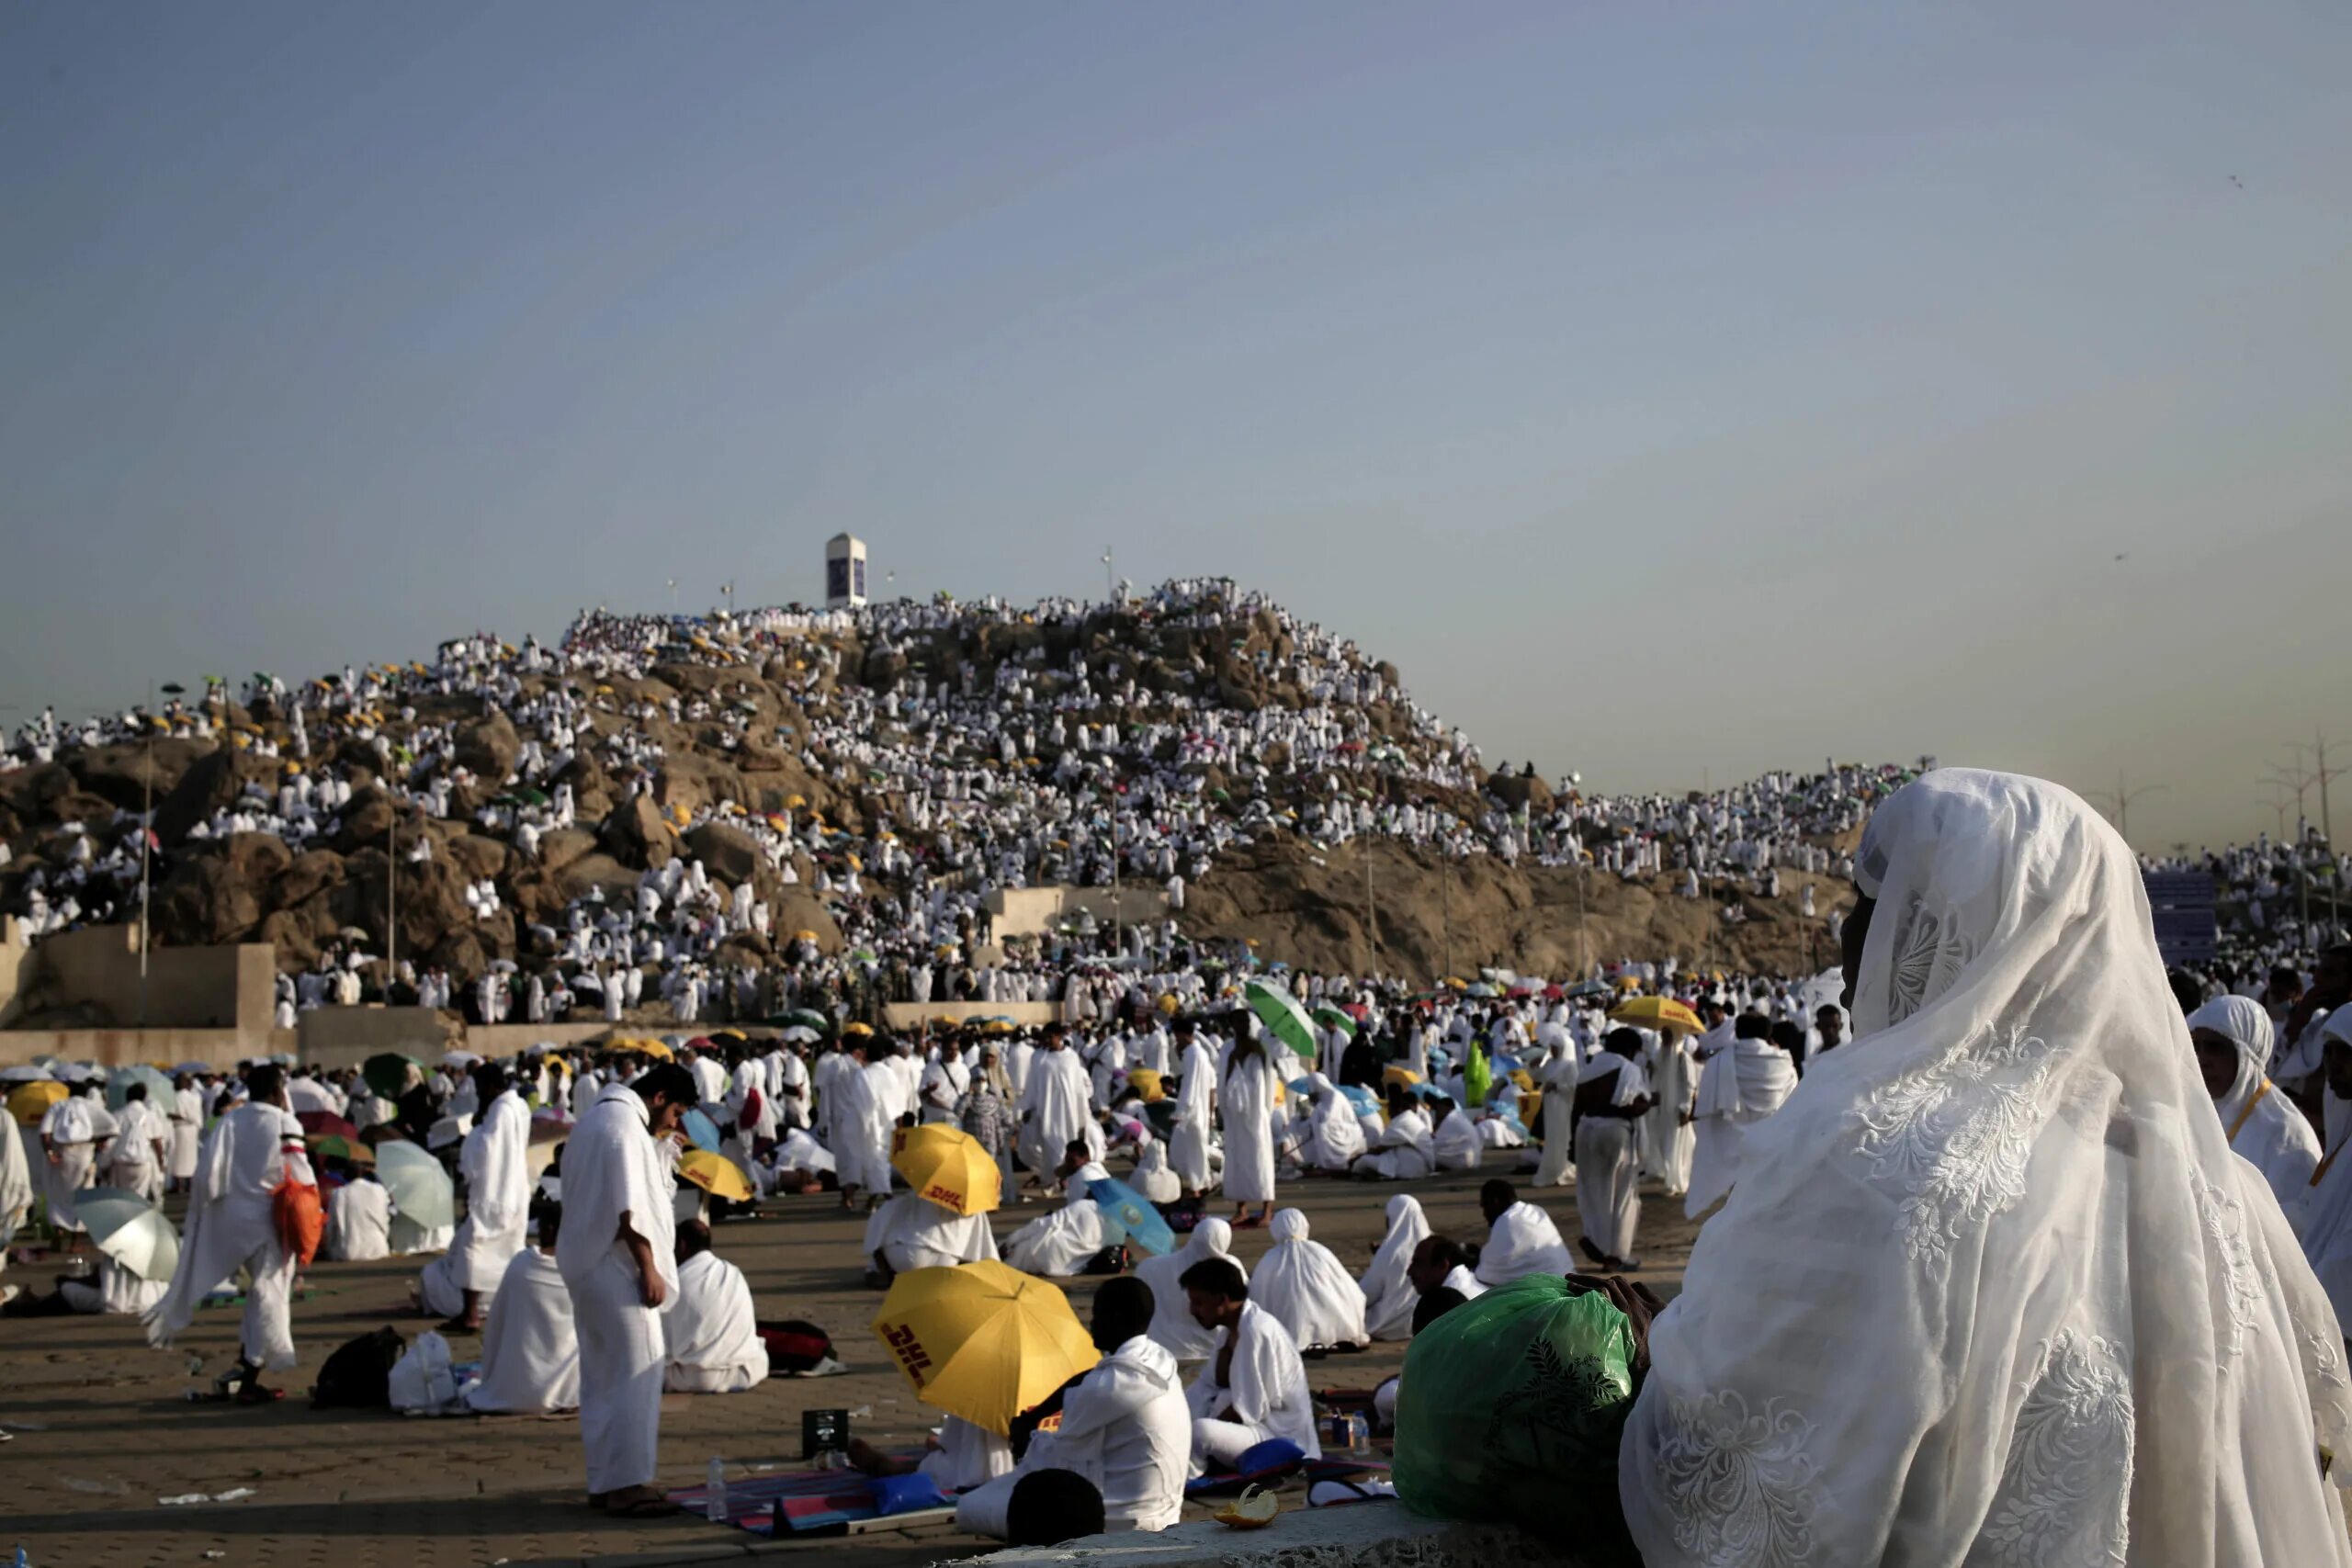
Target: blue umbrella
1359, 1096
1134, 1212
701, 1130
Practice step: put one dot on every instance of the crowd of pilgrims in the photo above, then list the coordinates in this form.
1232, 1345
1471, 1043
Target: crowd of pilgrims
2015, 1023
1018, 770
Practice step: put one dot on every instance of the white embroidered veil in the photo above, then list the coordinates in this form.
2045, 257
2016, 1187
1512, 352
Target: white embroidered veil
1991, 1289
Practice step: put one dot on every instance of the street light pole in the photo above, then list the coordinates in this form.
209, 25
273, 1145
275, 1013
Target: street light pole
2118, 804
1110, 582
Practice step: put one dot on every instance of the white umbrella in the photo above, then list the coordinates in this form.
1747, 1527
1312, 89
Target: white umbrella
308, 1094
131, 1231
801, 1033
421, 1189
25, 1074
460, 1059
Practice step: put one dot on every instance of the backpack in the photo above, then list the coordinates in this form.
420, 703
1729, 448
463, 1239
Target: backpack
301, 1220
793, 1346
357, 1375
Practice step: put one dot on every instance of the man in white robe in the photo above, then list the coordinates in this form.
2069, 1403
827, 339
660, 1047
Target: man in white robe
1246, 1100
1666, 1139
1253, 1386
141, 1151
617, 1252
944, 1083
359, 1222
187, 1112
1739, 1086
1173, 1323
713, 1332
913, 1232
861, 1127
1055, 1108
530, 1351
1406, 1151
1195, 1130
1334, 1141
70, 1132
15, 1197
495, 1163
1455, 1143
1611, 1094
1062, 1244
233, 1225
1124, 1427
1520, 1239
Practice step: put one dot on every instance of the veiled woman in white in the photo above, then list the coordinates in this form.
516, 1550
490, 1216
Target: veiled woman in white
1991, 1289
1388, 1295
2232, 1039
1247, 1100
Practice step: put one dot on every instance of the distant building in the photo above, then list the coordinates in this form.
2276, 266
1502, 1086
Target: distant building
844, 573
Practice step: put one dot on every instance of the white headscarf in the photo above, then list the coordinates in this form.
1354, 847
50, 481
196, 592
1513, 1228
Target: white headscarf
1991, 1286
1173, 1323
2261, 1123
1301, 1282
1389, 1297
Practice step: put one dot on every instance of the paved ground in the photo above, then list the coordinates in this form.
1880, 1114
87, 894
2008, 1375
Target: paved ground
101, 1431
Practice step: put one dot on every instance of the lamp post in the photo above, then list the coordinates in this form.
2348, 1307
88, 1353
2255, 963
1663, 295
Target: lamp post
147, 833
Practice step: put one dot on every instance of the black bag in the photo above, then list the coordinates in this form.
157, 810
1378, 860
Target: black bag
358, 1375
795, 1346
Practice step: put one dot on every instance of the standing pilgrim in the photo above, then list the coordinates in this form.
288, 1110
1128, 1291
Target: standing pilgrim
1668, 1140
15, 1197
188, 1130
1557, 1078
495, 1162
616, 1253
233, 1225
1247, 1093
1188, 1144
1611, 1094
2232, 1039
1056, 1107
141, 1152
1741, 1085
71, 1130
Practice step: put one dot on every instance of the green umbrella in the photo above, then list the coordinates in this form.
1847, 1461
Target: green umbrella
421, 1189
1330, 1017
1281, 1013
159, 1088
386, 1073
805, 1018
131, 1231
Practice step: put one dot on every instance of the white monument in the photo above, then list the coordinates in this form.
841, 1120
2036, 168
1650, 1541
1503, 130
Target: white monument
844, 573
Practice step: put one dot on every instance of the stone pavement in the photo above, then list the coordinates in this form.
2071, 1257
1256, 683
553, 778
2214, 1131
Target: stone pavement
101, 1430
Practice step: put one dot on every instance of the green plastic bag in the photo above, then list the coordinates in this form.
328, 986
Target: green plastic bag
1509, 1409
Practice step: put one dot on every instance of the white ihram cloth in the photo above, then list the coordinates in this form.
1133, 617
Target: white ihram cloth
1333, 1138
611, 1167
967, 1456
1667, 1142
16, 1189
1152, 1177
861, 1125
1247, 1097
1388, 1293
231, 1224
913, 1232
1125, 1428
2322, 1213
495, 1162
188, 1131
1521, 1242
530, 1354
1557, 1078
713, 1332
2261, 1123
1743, 1083
1266, 1391
131, 1163
1455, 1145
1056, 1110
1992, 1287
1307, 1289
1609, 1167
73, 1126
1406, 1151
359, 1224
1062, 1242
1195, 1129
1172, 1323
117, 1292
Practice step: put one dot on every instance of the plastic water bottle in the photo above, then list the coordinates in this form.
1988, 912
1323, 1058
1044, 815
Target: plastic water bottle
714, 1492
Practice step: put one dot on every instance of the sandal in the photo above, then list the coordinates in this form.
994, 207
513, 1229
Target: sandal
456, 1325
639, 1503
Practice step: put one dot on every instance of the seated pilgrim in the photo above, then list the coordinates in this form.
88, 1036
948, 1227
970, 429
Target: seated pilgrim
715, 1344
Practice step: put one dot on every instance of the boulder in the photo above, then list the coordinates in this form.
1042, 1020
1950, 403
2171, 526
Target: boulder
562, 846
727, 852
214, 897
306, 875
488, 746
209, 783
367, 820
1520, 792
476, 857
123, 772
635, 835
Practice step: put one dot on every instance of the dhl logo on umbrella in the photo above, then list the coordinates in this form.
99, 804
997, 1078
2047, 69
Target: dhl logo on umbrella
940, 1192
913, 1360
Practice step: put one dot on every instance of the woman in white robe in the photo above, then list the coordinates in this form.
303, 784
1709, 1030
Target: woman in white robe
1333, 1141
1195, 1130
1303, 1283
530, 1351
2012, 1185
1388, 1293
1456, 1144
1248, 1096
1668, 1140
1557, 1078
2232, 1039
1173, 1323
1152, 1176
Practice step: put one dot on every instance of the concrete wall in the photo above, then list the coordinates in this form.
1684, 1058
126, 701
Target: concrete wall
97, 968
1032, 911
1029, 1015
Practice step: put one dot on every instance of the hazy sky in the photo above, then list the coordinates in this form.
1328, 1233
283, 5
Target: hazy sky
1670, 390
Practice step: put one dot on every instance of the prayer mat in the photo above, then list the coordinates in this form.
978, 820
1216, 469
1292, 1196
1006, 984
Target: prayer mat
806, 1502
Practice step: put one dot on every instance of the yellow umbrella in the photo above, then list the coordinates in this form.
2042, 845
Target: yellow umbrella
1405, 1076
949, 1166
653, 1048
1147, 1083
31, 1102
715, 1174
1658, 1013
982, 1340
857, 1028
